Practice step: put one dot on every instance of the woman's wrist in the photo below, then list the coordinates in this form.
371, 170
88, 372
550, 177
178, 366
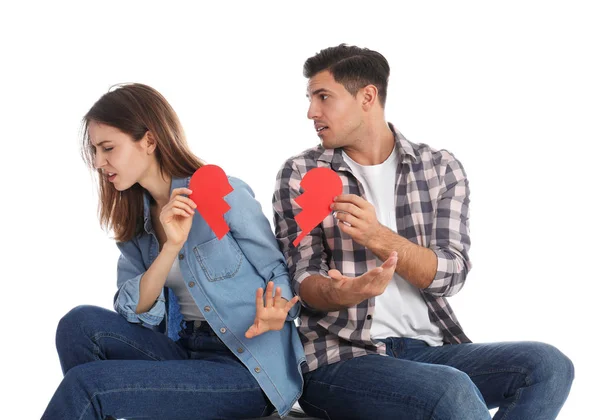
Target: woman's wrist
171, 248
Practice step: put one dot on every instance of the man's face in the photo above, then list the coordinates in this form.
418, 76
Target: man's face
337, 115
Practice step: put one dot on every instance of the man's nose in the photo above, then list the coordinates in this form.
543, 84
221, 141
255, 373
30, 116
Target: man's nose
313, 111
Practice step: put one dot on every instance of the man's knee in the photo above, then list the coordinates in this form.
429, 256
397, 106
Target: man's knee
459, 397
552, 367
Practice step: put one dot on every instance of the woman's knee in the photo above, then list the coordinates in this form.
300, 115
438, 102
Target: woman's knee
83, 378
73, 320
79, 323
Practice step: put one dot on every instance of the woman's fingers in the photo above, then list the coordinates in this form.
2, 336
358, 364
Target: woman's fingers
180, 191
291, 303
183, 206
185, 200
269, 295
259, 299
278, 293
179, 205
180, 212
179, 200
252, 331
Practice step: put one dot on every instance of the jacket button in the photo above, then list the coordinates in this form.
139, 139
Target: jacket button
207, 309
181, 256
240, 350
257, 369
223, 330
191, 284
369, 317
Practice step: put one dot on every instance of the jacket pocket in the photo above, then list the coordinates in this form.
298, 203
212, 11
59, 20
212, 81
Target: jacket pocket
219, 259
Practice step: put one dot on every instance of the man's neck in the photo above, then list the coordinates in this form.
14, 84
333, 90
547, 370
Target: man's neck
373, 147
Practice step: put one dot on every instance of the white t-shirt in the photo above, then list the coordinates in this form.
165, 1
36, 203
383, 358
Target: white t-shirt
187, 305
400, 311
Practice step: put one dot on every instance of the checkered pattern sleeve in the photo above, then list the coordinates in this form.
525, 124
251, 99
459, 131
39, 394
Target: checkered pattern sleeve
450, 234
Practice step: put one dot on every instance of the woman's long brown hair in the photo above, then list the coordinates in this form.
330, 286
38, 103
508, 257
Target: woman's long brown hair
136, 109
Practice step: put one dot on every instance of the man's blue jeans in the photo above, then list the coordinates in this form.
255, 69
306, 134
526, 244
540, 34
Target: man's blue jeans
115, 368
526, 380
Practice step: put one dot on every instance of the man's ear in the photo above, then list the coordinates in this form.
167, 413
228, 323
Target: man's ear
369, 96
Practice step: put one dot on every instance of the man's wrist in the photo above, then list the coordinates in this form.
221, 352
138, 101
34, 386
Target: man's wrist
377, 241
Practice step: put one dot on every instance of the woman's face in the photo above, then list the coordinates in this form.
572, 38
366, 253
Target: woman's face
122, 160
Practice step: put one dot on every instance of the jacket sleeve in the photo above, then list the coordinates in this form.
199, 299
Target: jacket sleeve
130, 270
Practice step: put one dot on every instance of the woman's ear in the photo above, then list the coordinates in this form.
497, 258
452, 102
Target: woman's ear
150, 142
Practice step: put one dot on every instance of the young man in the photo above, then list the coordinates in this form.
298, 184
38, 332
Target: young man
381, 340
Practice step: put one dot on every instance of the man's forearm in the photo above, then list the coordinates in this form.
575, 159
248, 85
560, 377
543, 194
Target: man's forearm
416, 264
316, 292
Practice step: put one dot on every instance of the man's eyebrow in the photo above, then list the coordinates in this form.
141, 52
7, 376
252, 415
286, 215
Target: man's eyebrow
316, 92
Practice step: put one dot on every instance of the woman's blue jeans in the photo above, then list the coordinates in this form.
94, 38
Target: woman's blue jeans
115, 368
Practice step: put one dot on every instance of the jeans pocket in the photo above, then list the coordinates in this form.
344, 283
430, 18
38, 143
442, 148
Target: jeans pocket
219, 259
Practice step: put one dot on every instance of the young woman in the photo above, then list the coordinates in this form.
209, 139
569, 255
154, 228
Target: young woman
192, 336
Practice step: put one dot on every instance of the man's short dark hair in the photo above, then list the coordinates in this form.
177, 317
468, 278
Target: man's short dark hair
353, 67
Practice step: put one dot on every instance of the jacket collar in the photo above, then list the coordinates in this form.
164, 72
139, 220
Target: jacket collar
175, 183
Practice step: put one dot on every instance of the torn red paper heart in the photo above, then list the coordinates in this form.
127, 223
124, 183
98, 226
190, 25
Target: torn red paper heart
209, 186
321, 186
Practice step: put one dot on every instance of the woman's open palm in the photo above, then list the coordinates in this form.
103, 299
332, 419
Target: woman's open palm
270, 313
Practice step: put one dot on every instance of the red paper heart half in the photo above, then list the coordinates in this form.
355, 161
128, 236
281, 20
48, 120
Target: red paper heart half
209, 186
321, 186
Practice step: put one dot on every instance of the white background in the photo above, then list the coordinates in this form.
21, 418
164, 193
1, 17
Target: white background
511, 88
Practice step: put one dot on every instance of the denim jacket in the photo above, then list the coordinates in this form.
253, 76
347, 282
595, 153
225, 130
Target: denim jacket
222, 277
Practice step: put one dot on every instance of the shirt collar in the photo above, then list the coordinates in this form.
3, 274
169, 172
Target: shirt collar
408, 153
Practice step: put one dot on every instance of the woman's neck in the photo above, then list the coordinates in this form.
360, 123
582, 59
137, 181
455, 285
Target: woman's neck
158, 185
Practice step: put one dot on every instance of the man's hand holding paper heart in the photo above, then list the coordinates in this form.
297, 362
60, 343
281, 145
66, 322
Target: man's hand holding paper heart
356, 217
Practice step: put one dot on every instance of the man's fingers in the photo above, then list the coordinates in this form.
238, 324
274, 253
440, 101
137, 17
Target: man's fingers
351, 198
348, 218
350, 230
347, 208
387, 271
336, 275
368, 277
391, 261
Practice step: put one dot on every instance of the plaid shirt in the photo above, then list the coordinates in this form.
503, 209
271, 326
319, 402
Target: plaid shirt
432, 210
